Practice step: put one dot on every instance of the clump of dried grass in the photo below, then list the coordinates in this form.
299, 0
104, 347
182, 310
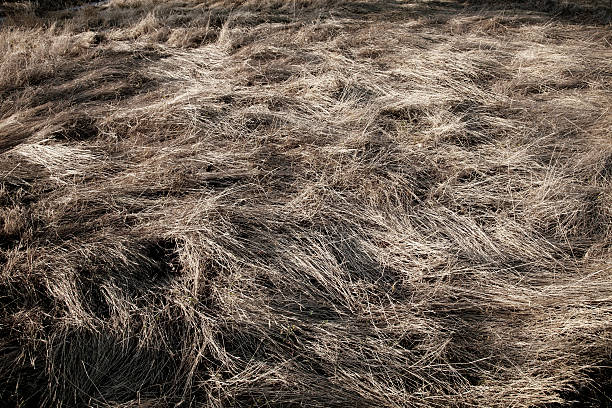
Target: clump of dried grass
305, 203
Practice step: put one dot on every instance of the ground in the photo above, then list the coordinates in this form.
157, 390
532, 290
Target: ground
306, 203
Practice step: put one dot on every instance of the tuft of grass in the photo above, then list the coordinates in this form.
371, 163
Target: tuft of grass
306, 203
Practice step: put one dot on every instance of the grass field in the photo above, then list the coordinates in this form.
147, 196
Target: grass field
306, 203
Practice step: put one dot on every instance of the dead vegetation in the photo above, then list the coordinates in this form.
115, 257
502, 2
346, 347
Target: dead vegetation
306, 203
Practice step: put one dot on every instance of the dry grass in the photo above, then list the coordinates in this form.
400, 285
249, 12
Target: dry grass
306, 203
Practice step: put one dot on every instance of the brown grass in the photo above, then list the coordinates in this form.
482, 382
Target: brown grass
306, 203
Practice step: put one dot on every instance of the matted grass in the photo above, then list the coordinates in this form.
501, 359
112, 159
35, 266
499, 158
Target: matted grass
306, 203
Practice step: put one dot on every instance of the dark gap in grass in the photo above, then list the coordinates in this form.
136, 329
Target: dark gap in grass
476, 130
226, 99
312, 309
359, 265
164, 258
467, 176
426, 180
154, 194
7, 300
243, 342
469, 139
80, 128
93, 296
528, 88
356, 93
8, 242
264, 55
22, 382
210, 113
466, 107
270, 75
472, 342
259, 121
221, 181
411, 115
3, 261
72, 225
81, 82
99, 367
16, 296
597, 393
315, 365
211, 270
605, 173
593, 12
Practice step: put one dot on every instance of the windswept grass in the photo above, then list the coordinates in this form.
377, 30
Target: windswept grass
306, 203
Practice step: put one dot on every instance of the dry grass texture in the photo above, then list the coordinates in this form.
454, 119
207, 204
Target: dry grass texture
306, 203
